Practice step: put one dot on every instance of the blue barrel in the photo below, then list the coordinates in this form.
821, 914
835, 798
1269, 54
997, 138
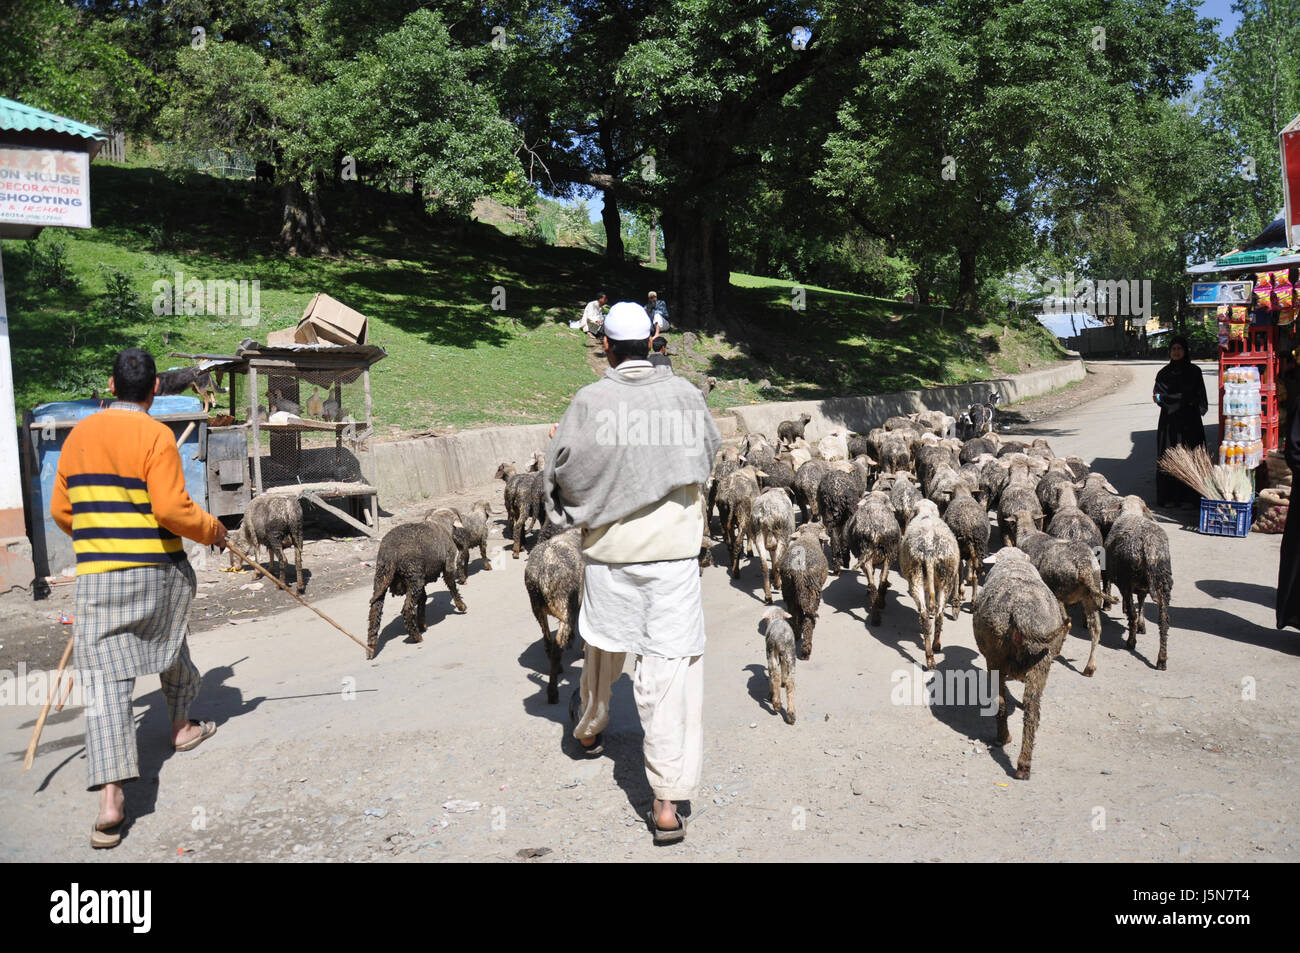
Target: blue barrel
49, 541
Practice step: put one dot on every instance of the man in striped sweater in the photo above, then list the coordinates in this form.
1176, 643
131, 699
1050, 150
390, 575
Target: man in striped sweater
120, 494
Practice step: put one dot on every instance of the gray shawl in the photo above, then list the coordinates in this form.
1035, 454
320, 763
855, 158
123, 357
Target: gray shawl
627, 441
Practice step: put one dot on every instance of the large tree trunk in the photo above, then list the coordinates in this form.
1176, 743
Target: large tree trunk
699, 269
965, 280
302, 231
613, 227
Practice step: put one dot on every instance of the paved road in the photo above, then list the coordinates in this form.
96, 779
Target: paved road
324, 756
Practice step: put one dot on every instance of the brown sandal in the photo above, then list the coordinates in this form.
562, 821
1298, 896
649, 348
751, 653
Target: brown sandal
209, 729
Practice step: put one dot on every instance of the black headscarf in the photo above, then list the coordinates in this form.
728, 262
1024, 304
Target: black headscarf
1180, 383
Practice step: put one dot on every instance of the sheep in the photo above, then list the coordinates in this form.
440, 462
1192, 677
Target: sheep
475, 527
806, 480
726, 463
787, 431
975, 446
524, 498
969, 522
904, 494
1071, 570
837, 498
803, 573
735, 498
1137, 558
900, 422
994, 478
1070, 522
771, 523
943, 483
928, 558
780, 660
1019, 628
272, 520
410, 557
758, 451
553, 577
799, 454
779, 474
978, 420
862, 468
859, 444
1018, 500
1042, 449
895, 451
929, 458
1100, 501
1078, 468
1057, 476
873, 538
834, 446
935, 422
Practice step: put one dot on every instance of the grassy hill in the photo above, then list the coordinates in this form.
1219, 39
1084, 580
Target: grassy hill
427, 287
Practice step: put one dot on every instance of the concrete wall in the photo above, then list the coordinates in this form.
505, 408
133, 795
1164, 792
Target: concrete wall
411, 470
860, 414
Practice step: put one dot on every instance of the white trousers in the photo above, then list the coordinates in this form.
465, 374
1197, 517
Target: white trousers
669, 694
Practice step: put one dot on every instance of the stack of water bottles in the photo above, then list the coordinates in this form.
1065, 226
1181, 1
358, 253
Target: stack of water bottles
1242, 444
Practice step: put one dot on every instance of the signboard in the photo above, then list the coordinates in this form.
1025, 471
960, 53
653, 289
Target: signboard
1221, 292
1290, 142
44, 187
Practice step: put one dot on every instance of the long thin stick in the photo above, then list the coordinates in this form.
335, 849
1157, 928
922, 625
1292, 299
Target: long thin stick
66, 692
235, 549
45, 709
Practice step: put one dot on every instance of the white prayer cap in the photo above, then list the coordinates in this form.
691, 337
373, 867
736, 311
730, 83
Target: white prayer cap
627, 321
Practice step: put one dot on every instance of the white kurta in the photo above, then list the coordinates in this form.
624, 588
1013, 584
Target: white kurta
653, 609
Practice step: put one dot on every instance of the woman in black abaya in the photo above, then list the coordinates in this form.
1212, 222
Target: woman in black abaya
1180, 393
1288, 569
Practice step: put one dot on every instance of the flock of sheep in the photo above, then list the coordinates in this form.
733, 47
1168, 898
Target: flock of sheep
907, 492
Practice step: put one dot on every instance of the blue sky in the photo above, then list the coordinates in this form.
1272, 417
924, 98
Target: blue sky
1220, 10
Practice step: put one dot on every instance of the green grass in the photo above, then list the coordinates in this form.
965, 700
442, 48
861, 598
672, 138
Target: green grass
426, 287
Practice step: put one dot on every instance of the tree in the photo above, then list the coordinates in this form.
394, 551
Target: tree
1253, 91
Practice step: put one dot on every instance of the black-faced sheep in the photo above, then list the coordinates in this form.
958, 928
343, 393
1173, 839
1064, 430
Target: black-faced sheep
553, 578
1019, 628
272, 520
411, 556
928, 558
780, 660
874, 537
803, 573
1137, 559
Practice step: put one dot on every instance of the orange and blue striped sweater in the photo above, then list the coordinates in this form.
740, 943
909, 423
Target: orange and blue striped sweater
120, 493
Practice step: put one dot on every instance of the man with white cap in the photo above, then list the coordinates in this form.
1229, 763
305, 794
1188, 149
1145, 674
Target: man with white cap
627, 464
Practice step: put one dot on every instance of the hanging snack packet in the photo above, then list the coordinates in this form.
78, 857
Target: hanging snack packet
1264, 283
1283, 290
1287, 317
1236, 332
1238, 314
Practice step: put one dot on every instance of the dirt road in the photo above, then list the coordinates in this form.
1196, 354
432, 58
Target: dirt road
324, 756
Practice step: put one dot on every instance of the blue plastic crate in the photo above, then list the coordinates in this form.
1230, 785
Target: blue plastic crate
1225, 518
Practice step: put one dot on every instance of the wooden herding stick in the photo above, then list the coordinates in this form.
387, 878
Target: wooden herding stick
235, 549
45, 709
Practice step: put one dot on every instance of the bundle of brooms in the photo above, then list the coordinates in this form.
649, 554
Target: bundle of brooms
1193, 468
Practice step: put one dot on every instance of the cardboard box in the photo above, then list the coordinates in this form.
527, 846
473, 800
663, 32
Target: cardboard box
325, 321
